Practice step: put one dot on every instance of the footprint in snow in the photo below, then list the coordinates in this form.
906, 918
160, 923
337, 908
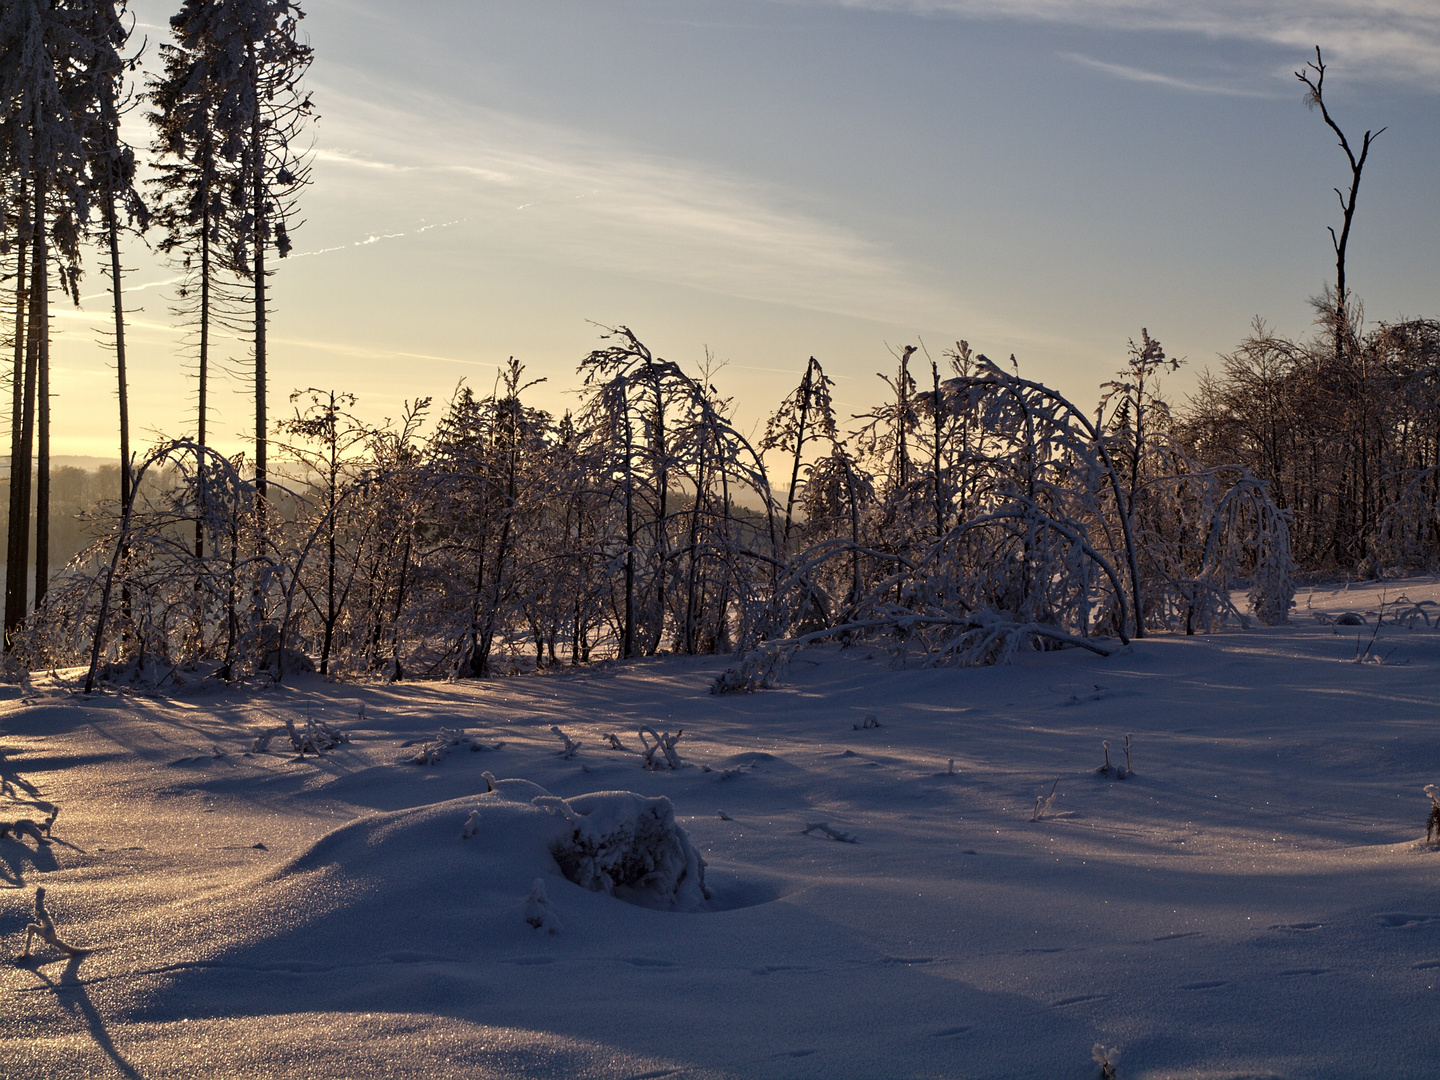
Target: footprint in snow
1425, 965
1213, 985
1296, 926
1304, 971
1401, 918
1181, 934
1079, 1000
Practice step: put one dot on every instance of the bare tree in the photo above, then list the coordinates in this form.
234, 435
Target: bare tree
1313, 76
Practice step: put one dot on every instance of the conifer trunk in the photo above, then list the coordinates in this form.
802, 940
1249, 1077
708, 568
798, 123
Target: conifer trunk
15, 565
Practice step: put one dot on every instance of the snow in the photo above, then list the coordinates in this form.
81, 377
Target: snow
1255, 899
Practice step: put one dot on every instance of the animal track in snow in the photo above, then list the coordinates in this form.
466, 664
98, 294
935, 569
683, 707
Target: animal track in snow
1401, 918
1296, 926
1212, 985
1079, 1000
1304, 971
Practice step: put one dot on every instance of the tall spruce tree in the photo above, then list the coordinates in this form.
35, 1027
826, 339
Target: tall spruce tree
245, 63
194, 156
112, 177
45, 57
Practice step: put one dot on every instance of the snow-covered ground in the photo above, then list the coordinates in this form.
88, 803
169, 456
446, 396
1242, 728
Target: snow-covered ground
1256, 900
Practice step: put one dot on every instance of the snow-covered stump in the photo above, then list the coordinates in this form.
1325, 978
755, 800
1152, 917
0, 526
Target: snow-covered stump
629, 846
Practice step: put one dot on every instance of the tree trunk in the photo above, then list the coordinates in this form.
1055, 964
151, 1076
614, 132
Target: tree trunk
204, 371
16, 593
15, 562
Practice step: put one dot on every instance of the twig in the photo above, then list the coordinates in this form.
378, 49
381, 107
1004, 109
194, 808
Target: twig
1042, 802
570, 746
44, 928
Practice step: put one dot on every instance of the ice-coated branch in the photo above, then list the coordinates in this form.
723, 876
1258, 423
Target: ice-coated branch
449, 739
22, 827
556, 805
1120, 772
1042, 802
44, 928
27, 826
663, 743
570, 745
317, 737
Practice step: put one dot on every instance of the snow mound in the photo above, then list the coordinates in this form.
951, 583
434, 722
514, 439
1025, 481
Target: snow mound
630, 847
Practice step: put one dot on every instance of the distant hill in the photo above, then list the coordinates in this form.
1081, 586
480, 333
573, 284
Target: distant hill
57, 461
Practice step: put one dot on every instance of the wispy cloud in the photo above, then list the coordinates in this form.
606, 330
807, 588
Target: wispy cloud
1133, 74
1388, 40
539, 191
375, 238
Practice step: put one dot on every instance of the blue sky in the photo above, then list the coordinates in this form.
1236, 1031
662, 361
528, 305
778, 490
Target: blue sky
770, 179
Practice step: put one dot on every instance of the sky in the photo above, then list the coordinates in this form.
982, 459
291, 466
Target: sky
760, 181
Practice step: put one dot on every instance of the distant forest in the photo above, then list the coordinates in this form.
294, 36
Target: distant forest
969, 514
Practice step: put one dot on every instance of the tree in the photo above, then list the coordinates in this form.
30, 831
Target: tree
44, 57
802, 417
111, 167
1313, 76
195, 144
246, 64
324, 436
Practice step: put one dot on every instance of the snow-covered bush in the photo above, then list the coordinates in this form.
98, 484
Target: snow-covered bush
448, 739
631, 847
316, 737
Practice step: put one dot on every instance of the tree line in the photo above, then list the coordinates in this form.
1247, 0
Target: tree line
969, 514
226, 112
